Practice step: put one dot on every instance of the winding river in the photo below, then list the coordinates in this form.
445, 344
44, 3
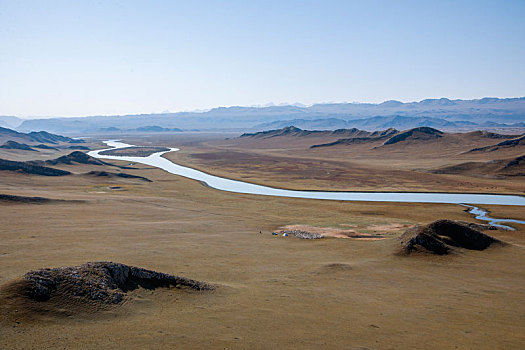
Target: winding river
229, 185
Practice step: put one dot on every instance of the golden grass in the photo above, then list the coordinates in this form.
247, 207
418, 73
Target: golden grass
273, 292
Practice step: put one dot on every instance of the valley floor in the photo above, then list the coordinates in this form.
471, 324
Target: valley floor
272, 291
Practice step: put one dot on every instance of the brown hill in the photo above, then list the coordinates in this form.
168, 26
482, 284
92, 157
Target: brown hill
15, 145
293, 131
75, 157
504, 167
372, 137
518, 142
417, 134
42, 146
31, 168
487, 135
443, 237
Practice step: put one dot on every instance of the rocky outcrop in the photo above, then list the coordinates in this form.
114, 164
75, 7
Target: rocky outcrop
16, 145
42, 146
442, 237
75, 157
104, 282
508, 144
417, 134
30, 168
23, 199
113, 175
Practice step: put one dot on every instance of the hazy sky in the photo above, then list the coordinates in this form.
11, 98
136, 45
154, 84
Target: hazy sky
73, 58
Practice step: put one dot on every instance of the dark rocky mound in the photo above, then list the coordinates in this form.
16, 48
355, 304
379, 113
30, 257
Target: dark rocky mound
112, 175
513, 143
41, 146
104, 282
517, 163
421, 134
8, 198
16, 145
384, 133
442, 237
75, 157
83, 148
479, 227
31, 168
22, 199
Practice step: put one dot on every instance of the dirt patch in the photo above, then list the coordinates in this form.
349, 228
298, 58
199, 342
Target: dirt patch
336, 267
311, 232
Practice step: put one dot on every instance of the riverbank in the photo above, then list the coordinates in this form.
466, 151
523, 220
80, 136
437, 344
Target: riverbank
229, 185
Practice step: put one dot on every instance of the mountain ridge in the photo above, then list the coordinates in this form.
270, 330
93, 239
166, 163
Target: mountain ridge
433, 113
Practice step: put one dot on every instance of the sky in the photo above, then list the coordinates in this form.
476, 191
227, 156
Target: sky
79, 58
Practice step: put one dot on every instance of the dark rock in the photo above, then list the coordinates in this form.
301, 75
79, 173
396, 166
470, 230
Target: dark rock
122, 175
421, 133
22, 199
75, 157
442, 236
105, 282
16, 145
31, 168
41, 146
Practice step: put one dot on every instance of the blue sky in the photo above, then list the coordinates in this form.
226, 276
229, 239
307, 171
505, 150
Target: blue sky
74, 58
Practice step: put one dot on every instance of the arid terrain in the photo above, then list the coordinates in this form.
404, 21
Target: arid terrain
269, 291
420, 163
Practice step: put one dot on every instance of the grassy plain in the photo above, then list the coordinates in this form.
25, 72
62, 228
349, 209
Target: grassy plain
272, 292
289, 162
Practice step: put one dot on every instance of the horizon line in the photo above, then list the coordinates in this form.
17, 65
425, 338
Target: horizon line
262, 106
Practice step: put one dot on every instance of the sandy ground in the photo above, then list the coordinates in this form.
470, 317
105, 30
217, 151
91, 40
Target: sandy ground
272, 292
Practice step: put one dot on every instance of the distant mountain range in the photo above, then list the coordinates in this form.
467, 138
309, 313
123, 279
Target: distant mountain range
9, 121
438, 113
